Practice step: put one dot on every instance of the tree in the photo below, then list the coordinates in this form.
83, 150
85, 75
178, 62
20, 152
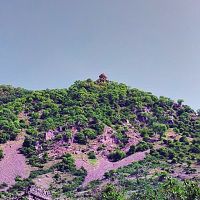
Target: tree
67, 135
28, 142
198, 112
116, 155
169, 188
111, 193
81, 138
131, 150
32, 131
159, 129
91, 155
90, 133
180, 101
99, 127
1, 154
184, 140
67, 163
142, 146
45, 157
48, 124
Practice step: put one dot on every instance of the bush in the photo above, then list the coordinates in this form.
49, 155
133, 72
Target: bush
184, 139
67, 135
109, 174
131, 150
162, 176
81, 138
195, 149
122, 138
58, 137
99, 128
111, 193
116, 155
142, 146
1, 154
163, 152
31, 131
90, 133
174, 160
91, 155
35, 161
169, 189
67, 164
154, 153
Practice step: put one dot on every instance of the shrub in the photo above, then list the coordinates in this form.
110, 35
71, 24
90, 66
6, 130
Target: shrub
90, 133
91, 155
58, 137
162, 176
131, 150
81, 138
142, 146
67, 135
174, 160
1, 154
163, 152
67, 164
184, 139
195, 149
111, 193
116, 155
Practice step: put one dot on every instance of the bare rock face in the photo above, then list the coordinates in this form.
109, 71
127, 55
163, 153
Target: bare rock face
34, 192
14, 163
49, 135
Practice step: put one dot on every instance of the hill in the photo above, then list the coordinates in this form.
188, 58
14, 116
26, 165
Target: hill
100, 140
9, 93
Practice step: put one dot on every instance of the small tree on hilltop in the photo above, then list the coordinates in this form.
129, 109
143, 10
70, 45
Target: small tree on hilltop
180, 101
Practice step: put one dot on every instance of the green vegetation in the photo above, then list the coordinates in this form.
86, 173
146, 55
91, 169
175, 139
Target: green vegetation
9, 93
159, 129
91, 155
116, 155
111, 193
143, 146
90, 106
80, 114
169, 189
1, 154
67, 164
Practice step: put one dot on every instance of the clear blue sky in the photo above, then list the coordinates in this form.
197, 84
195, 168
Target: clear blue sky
153, 45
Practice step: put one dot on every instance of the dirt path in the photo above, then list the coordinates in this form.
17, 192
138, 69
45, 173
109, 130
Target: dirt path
13, 164
95, 172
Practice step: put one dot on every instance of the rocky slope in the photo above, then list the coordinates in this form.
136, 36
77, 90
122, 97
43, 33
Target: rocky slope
81, 139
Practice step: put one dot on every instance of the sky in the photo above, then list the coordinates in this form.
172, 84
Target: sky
151, 45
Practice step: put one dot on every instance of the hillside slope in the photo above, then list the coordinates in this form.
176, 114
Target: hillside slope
98, 131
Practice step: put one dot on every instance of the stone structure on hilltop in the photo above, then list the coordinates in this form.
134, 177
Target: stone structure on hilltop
102, 78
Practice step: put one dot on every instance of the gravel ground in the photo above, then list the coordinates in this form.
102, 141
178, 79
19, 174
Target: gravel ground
13, 164
95, 172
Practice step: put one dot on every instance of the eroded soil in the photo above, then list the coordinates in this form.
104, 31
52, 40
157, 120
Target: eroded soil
13, 164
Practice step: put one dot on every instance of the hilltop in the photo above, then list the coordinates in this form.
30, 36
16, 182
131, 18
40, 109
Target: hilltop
98, 140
